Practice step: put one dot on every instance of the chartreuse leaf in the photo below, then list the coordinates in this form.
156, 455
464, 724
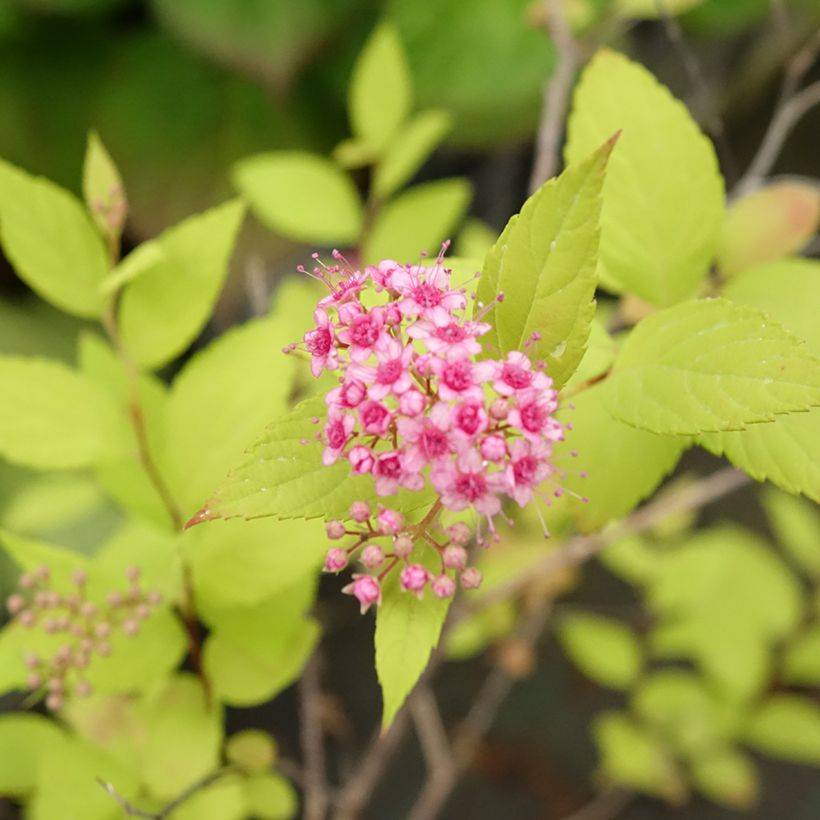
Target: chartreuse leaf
726, 776
283, 476
29, 554
302, 196
23, 738
788, 727
164, 308
663, 195
417, 220
632, 756
103, 190
796, 524
604, 649
270, 797
620, 464
223, 800
801, 659
51, 242
786, 451
251, 750
53, 417
183, 737
380, 88
709, 365
544, 265
768, 224
475, 239
407, 631
408, 150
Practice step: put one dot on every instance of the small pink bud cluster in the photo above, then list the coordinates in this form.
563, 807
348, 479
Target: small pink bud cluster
85, 626
417, 401
384, 542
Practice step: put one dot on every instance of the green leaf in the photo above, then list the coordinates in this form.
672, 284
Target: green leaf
223, 800
608, 447
604, 649
302, 196
600, 353
475, 239
51, 242
29, 553
407, 631
408, 150
544, 265
788, 727
222, 400
631, 756
631, 559
726, 776
270, 797
103, 190
183, 738
251, 750
773, 222
801, 659
709, 365
663, 195
164, 308
143, 258
283, 476
417, 221
380, 88
797, 527
23, 737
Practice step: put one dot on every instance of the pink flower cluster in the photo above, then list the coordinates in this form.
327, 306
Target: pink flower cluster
418, 402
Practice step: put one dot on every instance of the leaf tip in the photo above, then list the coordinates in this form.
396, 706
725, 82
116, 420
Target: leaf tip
200, 517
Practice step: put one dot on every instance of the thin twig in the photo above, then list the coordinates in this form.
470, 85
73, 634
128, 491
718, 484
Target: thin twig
604, 806
313, 747
493, 693
556, 95
790, 108
583, 547
133, 811
431, 734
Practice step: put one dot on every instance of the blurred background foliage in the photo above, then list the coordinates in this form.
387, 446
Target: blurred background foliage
188, 93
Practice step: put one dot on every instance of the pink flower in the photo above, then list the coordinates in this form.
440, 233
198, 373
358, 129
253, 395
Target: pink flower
366, 590
390, 472
338, 431
347, 286
493, 448
361, 459
319, 343
391, 374
427, 436
532, 416
382, 274
470, 419
516, 374
443, 586
452, 340
465, 482
412, 402
426, 293
414, 578
335, 560
461, 378
375, 418
362, 331
350, 394
471, 578
389, 521
527, 469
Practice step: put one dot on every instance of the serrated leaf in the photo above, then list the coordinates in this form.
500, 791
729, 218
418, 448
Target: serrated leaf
302, 196
726, 776
409, 149
380, 88
53, 417
797, 527
407, 631
164, 308
283, 476
631, 756
604, 649
103, 190
768, 224
788, 727
544, 265
417, 221
709, 365
801, 658
51, 242
663, 195
621, 464
22, 740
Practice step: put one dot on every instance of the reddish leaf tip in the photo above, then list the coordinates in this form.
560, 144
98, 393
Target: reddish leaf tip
202, 515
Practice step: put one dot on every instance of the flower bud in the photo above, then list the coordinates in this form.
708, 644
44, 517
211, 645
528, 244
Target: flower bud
454, 557
389, 521
15, 604
493, 448
372, 556
154, 597
499, 409
55, 685
403, 546
142, 611
114, 599
42, 573
27, 619
411, 402
360, 511
471, 578
335, 560
365, 589
34, 681
54, 702
31, 660
460, 533
84, 688
26, 581
335, 529
102, 629
361, 459
133, 574
443, 586
131, 627
413, 578
80, 577
88, 610
104, 649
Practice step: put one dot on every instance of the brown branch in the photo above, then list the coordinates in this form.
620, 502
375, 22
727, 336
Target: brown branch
605, 806
313, 750
583, 547
133, 811
556, 95
431, 733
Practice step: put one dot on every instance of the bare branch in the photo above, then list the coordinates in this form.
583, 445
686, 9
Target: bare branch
556, 95
313, 749
605, 806
133, 811
431, 734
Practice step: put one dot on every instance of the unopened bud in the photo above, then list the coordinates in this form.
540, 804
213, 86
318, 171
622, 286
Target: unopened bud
26, 581
114, 599
80, 577
42, 573
454, 557
133, 574
34, 681
15, 604
372, 556
84, 688
460, 534
142, 611
500, 409
403, 546
471, 578
102, 629
88, 609
154, 597
54, 702
130, 627
335, 530
360, 511
443, 586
